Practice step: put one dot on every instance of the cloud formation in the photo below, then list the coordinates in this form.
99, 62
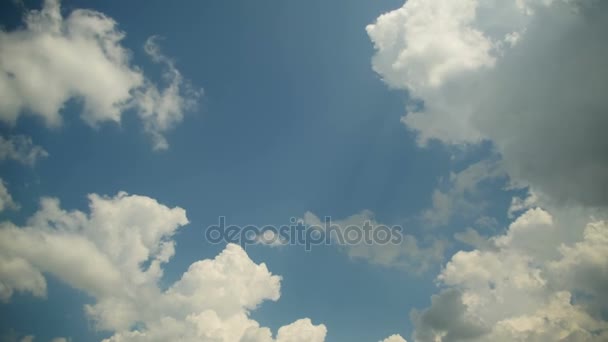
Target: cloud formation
528, 75
394, 338
116, 255
53, 59
542, 280
21, 149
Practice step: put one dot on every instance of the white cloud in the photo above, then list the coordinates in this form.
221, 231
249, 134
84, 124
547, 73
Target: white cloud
584, 265
520, 204
540, 100
408, 254
530, 76
116, 255
394, 338
425, 42
301, 331
558, 320
20, 148
54, 59
16, 274
162, 109
520, 285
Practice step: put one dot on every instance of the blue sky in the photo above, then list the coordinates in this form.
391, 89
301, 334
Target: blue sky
301, 110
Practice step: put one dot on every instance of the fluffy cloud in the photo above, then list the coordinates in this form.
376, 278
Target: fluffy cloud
541, 280
54, 59
16, 274
162, 109
584, 266
20, 148
528, 75
116, 254
394, 338
520, 204
425, 42
409, 254
445, 320
301, 331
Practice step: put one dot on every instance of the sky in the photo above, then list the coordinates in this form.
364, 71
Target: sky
476, 127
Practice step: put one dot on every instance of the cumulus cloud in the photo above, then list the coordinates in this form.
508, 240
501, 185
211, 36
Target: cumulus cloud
408, 253
53, 59
542, 280
445, 320
528, 75
521, 204
394, 338
21, 148
301, 331
116, 253
583, 266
